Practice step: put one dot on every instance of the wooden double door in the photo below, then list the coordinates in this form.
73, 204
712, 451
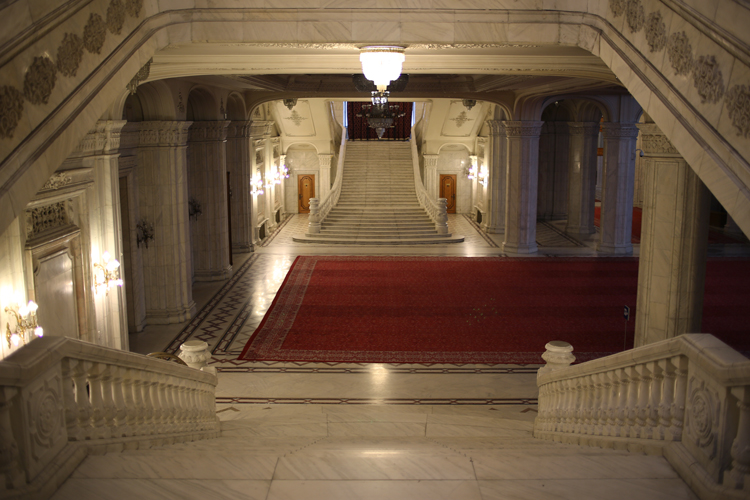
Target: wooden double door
448, 190
305, 191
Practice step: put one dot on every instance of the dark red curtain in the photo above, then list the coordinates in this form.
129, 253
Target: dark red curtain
360, 131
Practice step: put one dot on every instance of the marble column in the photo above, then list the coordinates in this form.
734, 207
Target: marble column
616, 219
239, 164
269, 187
325, 176
207, 184
498, 169
560, 172
521, 186
430, 176
163, 202
546, 184
582, 177
674, 240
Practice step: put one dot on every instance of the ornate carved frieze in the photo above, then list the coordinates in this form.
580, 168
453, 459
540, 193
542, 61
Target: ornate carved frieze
707, 79
11, 108
69, 54
325, 160
430, 161
208, 131
523, 128
618, 130
262, 127
48, 217
680, 53
141, 76
635, 15
133, 7
94, 34
657, 144
239, 129
656, 32
738, 105
497, 127
617, 7
103, 139
115, 16
167, 133
40, 80
58, 180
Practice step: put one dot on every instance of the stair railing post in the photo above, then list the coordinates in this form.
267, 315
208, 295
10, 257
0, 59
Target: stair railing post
442, 216
313, 226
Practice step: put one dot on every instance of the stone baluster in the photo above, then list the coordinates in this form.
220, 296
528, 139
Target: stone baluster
612, 399
171, 405
441, 219
584, 415
182, 406
599, 404
83, 405
155, 402
313, 224
642, 408
680, 394
119, 401
95, 397
163, 404
652, 420
131, 409
631, 406
148, 408
621, 415
108, 403
739, 476
194, 405
667, 399
577, 409
69, 397
557, 419
540, 422
11, 468
570, 404
140, 407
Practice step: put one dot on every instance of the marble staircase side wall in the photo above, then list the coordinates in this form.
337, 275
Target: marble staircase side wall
582, 177
497, 154
239, 164
325, 175
617, 188
430, 176
674, 239
521, 188
560, 173
456, 163
163, 201
207, 183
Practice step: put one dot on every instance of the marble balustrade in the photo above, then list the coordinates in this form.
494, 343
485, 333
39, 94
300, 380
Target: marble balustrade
319, 211
689, 394
436, 209
62, 398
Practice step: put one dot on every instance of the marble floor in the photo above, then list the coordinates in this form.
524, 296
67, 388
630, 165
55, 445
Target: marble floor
360, 431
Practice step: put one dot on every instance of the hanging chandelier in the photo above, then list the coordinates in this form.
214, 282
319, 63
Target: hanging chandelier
380, 116
382, 64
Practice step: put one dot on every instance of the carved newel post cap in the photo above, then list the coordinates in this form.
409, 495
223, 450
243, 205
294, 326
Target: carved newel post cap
195, 353
558, 355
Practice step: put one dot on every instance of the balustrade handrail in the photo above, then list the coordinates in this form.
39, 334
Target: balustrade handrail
436, 209
59, 397
679, 395
319, 210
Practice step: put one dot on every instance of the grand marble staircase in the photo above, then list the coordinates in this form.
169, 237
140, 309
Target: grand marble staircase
378, 204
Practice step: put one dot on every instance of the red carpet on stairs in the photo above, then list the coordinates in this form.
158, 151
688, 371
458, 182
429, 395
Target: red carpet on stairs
469, 310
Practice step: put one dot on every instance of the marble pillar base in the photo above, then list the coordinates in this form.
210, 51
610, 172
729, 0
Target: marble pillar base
492, 228
214, 275
170, 316
522, 249
245, 248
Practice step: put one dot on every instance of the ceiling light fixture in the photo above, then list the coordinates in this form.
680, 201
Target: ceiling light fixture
382, 64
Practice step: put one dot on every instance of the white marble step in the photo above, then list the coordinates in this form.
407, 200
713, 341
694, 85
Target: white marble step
310, 238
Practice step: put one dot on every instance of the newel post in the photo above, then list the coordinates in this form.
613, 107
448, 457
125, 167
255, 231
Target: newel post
558, 355
442, 216
313, 226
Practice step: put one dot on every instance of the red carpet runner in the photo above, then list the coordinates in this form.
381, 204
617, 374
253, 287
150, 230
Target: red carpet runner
468, 310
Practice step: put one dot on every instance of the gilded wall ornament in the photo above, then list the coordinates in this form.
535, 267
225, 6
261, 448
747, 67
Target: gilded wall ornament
69, 54
617, 7
738, 105
707, 79
635, 15
656, 32
296, 118
11, 108
115, 16
133, 7
461, 119
94, 34
39, 80
680, 53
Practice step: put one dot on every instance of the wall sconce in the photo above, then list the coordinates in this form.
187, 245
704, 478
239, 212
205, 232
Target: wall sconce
473, 168
257, 185
271, 178
145, 232
107, 274
194, 208
483, 175
26, 322
283, 171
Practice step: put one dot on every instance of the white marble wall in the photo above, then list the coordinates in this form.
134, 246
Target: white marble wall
456, 163
304, 161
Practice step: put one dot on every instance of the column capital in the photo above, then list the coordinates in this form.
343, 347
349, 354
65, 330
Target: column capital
104, 138
430, 161
526, 128
207, 131
654, 141
325, 160
262, 127
163, 133
497, 127
619, 130
239, 129
583, 128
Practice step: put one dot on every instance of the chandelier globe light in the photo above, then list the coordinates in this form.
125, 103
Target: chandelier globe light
382, 64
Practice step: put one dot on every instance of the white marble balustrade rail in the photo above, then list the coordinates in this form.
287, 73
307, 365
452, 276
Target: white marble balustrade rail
436, 209
687, 398
319, 211
61, 399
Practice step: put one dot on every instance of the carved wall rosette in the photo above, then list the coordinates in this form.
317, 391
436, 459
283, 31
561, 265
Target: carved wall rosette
11, 109
617, 7
58, 180
656, 32
680, 53
69, 54
738, 105
133, 7
94, 34
44, 409
115, 16
635, 16
40, 80
707, 79
702, 417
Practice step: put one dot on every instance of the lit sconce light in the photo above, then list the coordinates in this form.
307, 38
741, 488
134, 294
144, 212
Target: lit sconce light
106, 274
271, 179
473, 168
482, 176
257, 185
26, 323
